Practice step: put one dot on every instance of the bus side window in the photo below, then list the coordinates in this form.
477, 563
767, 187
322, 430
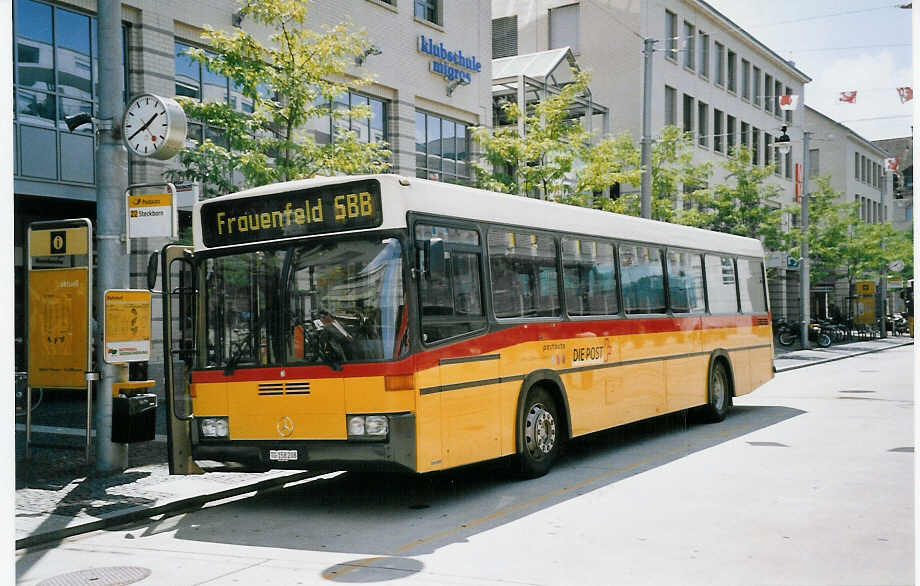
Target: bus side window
720, 284
524, 279
643, 279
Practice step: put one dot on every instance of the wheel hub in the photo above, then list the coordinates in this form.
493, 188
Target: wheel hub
540, 431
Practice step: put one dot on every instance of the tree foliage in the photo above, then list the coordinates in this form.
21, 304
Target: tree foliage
673, 169
743, 204
537, 163
291, 80
843, 246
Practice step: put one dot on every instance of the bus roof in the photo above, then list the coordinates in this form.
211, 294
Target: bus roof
403, 194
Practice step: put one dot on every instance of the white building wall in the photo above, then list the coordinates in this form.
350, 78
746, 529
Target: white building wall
837, 146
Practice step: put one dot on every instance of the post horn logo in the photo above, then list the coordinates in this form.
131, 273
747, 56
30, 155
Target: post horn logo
285, 426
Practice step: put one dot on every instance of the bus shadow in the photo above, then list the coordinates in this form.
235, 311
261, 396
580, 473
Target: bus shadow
391, 518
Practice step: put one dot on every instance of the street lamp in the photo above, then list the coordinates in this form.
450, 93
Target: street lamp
783, 143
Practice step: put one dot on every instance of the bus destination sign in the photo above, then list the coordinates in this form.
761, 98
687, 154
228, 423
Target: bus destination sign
305, 212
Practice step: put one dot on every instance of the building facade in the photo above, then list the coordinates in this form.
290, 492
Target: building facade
901, 207
422, 46
709, 77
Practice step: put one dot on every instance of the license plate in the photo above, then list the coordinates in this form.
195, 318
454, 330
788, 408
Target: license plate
282, 455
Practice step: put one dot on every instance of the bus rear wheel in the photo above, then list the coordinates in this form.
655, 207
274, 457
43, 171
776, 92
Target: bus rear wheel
541, 434
720, 394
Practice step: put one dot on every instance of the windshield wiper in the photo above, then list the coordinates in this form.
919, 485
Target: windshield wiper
243, 348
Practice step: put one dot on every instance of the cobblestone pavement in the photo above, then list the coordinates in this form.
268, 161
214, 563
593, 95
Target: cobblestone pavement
58, 493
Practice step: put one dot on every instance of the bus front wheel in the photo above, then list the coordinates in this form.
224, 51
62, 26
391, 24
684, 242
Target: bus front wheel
720, 394
541, 434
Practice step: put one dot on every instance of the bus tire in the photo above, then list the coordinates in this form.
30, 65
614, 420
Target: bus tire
541, 432
720, 394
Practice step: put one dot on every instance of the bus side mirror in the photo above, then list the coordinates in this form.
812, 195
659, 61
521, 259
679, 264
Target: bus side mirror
434, 258
153, 264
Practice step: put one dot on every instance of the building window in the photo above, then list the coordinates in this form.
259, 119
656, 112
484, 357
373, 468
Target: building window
732, 65
720, 64
688, 114
368, 130
745, 79
563, 27
768, 92
689, 37
745, 131
767, 149
704, 53
429, 10
670, 35
194, 80
55, 75
814, 162
788, 112
504, 36
777, 92
670, 106
703, 124
755, 146
441, 149
787, 164
730, 135
862, 159
717, 140
757, 91
856, 165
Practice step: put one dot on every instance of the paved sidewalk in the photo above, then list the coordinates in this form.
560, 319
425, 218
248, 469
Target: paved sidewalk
58, 495
789, 360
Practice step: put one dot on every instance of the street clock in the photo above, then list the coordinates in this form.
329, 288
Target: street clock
154, 126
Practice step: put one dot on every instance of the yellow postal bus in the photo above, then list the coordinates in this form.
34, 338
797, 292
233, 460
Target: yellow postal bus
346, 322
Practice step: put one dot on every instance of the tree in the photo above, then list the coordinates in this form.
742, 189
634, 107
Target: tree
538, 162
673, 168
290, 81
743, 204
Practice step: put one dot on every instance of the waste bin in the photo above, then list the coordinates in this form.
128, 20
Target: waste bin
134, 418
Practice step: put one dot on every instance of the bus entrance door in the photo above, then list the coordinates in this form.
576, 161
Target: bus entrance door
180, 302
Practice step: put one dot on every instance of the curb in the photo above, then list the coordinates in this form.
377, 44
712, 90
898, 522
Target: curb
136, 514
836, 358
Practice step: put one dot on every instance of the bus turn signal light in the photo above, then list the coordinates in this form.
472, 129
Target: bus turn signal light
399, 382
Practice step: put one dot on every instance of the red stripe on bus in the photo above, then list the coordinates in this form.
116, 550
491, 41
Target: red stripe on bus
489, 343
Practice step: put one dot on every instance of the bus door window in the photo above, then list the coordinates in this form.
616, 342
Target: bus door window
451, 302
643, 279
589, 275
685, 282
524, 276
242, 309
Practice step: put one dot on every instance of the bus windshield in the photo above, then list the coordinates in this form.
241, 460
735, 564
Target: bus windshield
330, 300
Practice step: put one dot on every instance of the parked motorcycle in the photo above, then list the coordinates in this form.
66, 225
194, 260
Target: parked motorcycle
789, 335
898, 325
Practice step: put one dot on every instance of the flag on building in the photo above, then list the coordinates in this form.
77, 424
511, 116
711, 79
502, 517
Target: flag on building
790, 102
891, 164
848, 97
906, 94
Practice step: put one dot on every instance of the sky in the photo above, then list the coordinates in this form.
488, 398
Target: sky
843, 45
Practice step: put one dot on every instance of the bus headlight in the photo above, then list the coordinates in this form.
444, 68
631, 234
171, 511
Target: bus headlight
214, 427
376, 425
368, 426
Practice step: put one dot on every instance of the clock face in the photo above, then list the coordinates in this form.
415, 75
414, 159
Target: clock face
146, 125
154, 126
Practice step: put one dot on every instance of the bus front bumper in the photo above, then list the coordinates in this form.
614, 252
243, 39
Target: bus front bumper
397, 451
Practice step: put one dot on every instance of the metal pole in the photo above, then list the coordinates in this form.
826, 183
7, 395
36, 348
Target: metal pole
805, 285
111, 181
883, 285
645, 199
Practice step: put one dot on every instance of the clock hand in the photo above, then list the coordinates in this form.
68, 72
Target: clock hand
144, 127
